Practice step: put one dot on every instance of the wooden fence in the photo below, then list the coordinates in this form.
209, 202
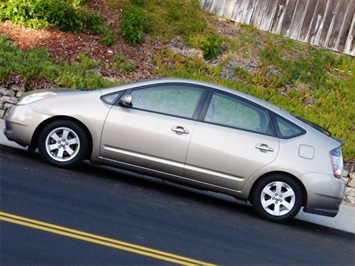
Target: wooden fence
325, 23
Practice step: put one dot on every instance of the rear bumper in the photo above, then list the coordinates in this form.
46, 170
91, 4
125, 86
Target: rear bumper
323, 212
324, 194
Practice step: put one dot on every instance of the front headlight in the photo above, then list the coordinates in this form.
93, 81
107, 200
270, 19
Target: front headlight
36, 97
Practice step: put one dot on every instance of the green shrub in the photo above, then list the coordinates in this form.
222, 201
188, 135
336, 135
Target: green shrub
211, 47
133, 25
167, 19
90, 21
138, 2
77, 3
108, 37
45, 13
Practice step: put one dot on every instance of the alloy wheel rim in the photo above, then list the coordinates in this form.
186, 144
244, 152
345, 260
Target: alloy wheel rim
278, 198
62, 144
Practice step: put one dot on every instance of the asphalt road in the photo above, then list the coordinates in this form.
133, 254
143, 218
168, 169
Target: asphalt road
102, 216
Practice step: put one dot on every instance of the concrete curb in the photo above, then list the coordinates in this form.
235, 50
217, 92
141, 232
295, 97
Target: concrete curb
344, 221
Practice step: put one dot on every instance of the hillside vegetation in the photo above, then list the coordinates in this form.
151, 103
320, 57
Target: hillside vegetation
140, 39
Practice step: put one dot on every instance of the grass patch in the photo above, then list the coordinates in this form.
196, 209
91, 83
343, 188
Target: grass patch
37, 63
123, 64
163, 19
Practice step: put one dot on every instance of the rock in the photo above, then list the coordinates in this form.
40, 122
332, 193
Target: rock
345, 179
19, 94
2, 90
15, 87
178, 46
345, 173
8, 99
350, 191
178, 43
9, 93
351, 183
6, 105
350, 196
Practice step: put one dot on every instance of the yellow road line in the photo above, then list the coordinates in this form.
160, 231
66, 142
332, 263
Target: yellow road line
109, 242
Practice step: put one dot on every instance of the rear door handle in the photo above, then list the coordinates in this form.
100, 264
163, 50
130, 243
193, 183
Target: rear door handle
180, 130
264, 148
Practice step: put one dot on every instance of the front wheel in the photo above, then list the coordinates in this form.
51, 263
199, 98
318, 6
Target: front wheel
277, 198
63, 143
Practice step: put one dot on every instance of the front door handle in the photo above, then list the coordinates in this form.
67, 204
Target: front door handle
180, 130
264, 148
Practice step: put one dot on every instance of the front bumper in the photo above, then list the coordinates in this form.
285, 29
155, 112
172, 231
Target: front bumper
324, 194
20, 123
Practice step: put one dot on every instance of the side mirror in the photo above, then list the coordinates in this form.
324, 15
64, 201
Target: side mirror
126, 100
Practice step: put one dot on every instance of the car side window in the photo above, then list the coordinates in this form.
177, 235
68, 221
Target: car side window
177, 100
287, 129
234, 112
111, 98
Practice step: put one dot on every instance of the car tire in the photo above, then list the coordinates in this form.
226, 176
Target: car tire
63, 143
277, 198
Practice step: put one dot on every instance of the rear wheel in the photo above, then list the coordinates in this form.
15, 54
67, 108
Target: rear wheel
63, 143
277, 198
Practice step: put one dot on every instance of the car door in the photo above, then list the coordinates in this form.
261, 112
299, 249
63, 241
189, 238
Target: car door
153, 131
234, 139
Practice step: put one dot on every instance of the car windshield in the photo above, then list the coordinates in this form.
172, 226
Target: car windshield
316, 126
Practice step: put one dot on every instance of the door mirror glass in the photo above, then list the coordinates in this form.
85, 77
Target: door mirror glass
126, 100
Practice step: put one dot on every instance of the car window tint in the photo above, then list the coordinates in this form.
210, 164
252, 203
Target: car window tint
287, 129
231, 111
174, 100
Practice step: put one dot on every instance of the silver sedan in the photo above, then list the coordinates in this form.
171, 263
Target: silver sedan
193, 133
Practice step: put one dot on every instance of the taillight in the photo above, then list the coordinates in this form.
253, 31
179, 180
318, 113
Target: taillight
337, 162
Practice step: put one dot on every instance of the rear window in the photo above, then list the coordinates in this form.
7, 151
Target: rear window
286, 129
